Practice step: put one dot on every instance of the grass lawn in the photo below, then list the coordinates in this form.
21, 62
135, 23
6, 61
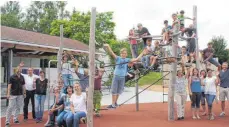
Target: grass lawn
150, 78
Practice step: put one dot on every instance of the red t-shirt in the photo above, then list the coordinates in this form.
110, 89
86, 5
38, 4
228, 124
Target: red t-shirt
132, 41
97, 83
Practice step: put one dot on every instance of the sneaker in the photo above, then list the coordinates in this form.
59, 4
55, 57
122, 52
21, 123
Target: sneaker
111, 107
38, 120
16, 121
182, 118
116, 105
7, 124
50, 124
222, 114
178, 118
97, 115
212, 117
26, 119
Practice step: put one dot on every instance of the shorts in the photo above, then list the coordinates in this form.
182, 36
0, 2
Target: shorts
191, 45
118, 84
214, 62
223, 94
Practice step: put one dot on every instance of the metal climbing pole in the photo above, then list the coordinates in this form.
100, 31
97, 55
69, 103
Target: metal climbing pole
196, 38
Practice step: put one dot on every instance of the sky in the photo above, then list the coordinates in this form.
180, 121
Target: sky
212, 19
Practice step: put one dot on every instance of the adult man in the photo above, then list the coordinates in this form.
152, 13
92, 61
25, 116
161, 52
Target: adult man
30, 79
143, 31
224, 86
191, 44
208, 56
16, 90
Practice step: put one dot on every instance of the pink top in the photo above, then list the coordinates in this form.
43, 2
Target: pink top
132, 41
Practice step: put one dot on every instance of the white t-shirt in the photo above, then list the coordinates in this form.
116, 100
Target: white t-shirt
150, 48
210, 86
79, 102
66, 68
30, 81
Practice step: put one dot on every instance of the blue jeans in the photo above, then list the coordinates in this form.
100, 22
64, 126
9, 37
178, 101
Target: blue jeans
214, 62
65, 116
76, 118
146, 61
39, 105
210, 98
67, 78
134, 50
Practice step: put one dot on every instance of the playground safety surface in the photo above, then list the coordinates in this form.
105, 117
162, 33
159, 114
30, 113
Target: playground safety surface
149, 115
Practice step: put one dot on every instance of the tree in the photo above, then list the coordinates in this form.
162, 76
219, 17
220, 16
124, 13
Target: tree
41, 14
219, 45
11, 14
78, 27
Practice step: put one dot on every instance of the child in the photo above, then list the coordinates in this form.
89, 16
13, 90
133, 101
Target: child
166, 32
133, 44
156, 54
149, 50
97, 91
119, 73
181, 17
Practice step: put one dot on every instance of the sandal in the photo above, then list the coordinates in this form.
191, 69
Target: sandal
204, 114
198, 118
194, 118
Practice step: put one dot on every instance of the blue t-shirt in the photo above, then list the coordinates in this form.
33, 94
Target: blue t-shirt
196, 85
121, 69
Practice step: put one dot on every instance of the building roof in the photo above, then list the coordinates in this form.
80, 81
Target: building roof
29, 38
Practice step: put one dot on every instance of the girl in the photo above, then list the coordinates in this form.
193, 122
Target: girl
180, 94
210, 91
40, 95
202, 77
66, 73
133, 44
194, 85
78, 105
66, 115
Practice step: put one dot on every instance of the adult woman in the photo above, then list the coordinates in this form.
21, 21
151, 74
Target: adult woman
66, 115
40, 95
202, 77
180, 94
78, 105
194, 85
210, 91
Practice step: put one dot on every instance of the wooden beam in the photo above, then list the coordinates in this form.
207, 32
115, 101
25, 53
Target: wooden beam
92, 69
31, 56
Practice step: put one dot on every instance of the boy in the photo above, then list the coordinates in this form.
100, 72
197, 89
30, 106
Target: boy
119, 73
208, 56
149, 50
191, 43
166, 32
181, 17
156, 54
97, 91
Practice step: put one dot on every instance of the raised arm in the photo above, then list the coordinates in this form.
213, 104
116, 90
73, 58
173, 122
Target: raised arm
110, 51
138, 58
189, 85
76, 66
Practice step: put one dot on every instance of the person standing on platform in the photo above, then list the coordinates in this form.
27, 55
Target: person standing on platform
143, 31
15, 93
30, 86
133, 44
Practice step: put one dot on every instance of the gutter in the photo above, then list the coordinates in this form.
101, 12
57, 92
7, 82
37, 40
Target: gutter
45, 46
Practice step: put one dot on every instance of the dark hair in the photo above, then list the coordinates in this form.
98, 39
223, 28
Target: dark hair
204, 72
179, 71
166, 21
149, 39
183, 47
182, 11
42, 72
210, 43
66, 91
209, 70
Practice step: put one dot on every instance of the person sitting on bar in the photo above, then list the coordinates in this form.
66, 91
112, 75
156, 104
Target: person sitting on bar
166, 32
156, 54
149, 50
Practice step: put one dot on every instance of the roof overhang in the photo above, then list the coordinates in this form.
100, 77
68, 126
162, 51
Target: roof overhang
53, 48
